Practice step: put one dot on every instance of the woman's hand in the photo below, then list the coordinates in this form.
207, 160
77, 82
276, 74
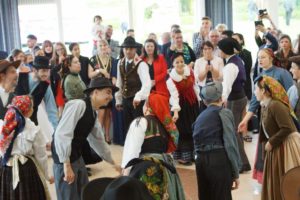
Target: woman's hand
175, 116
243, 126
152, 83
69, 174
268, 147
61, 59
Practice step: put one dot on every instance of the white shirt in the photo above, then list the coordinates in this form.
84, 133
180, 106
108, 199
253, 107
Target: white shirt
134, 140
230, 73
64, 133
200, 65
98, 29
174, 98
143, 72
4, 96
31, 142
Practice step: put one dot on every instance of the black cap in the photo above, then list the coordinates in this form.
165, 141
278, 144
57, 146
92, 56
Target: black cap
100, 82
41, 62
228, 45
129, 42
126, 187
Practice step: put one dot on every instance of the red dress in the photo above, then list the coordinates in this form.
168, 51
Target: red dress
160, 73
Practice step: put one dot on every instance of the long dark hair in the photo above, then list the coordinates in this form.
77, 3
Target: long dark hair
155, 53
65, 70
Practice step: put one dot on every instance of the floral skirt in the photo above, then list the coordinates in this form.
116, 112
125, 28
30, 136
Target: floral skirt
277, 163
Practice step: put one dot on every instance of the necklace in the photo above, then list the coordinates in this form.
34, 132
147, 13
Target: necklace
103, 62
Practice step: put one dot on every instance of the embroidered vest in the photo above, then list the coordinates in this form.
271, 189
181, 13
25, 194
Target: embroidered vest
130, 79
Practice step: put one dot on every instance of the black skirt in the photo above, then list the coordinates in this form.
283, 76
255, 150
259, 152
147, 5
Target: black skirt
30, 186
187, 116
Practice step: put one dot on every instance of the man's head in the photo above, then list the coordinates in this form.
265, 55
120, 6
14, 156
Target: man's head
108, 32
206, 23
8, 74
129, 47
166, 37
212, 93
130, 32
178, 37
100, 92
214, 37
295, 69
31, 41
41, 68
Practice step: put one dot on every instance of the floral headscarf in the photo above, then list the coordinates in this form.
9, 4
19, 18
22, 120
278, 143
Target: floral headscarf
159, 104
13, 124
276, 90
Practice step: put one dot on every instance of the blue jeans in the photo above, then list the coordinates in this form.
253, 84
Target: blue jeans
65, 191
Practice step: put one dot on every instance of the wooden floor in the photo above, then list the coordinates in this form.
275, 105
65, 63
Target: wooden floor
249, 188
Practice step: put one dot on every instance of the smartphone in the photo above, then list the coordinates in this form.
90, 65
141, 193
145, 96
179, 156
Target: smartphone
258, 23
208, 62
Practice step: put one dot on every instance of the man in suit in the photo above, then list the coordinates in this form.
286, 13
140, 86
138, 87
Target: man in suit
8, 82
113, 44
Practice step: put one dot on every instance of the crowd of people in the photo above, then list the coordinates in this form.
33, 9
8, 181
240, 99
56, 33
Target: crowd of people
168, 104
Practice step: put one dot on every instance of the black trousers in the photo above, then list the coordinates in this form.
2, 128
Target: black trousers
214, 175
130, 113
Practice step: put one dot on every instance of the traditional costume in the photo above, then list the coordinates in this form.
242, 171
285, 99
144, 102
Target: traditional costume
234, 78
78, 124
184, 97
148, 141
278, 128
134, 82
24, 166
39, 90
217, 154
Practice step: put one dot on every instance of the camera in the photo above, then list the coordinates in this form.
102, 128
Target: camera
262, 12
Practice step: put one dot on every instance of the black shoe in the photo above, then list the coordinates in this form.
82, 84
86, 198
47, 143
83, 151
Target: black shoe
185, 163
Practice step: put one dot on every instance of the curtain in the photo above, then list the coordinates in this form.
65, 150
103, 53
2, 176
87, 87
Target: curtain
220, 11
9, 25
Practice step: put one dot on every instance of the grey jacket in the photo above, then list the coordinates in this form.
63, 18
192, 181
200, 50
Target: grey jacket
115, 49
230, 141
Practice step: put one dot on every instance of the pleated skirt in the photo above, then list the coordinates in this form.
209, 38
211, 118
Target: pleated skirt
277, 163
30, 186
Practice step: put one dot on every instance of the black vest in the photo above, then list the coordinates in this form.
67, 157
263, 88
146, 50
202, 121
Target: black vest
3, 108
83, 128
238, 91
37, 94
156, 144
208, 129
